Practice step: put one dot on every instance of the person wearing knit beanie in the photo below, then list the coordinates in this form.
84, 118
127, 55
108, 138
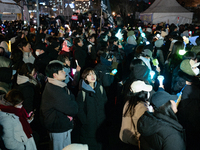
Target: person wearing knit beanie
130, 33
149, 30
159, 53
131, 43
131, 40
189, 67
159, 43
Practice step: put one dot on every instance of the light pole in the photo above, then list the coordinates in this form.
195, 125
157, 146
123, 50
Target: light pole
38, 19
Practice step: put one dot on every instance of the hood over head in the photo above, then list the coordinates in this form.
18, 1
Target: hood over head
141, 72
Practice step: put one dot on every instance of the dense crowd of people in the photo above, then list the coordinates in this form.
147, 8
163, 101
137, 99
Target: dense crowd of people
63, 84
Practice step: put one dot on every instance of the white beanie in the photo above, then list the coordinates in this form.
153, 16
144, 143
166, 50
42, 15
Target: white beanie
4, 45
149, 30
159, 43
76, 147
131, 40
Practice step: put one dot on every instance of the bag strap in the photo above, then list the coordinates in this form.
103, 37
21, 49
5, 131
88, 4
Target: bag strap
83, 92
136, 132
101, 89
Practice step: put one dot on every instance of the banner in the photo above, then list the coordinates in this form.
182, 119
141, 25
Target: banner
9, 8
105, 6
147, 18
10, 17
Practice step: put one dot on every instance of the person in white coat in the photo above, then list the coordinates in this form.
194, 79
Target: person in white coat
17, 133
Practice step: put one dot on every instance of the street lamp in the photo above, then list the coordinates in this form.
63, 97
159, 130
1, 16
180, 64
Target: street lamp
113, 13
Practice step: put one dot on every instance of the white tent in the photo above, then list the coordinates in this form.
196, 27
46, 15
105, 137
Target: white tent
169, 11
9, 6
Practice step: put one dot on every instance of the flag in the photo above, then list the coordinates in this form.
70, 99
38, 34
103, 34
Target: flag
105, 5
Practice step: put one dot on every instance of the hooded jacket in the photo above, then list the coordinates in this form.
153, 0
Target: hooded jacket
28, 90
41, 62
160, 132
80, 55
129, 48
103, 71
141, 72
91, 111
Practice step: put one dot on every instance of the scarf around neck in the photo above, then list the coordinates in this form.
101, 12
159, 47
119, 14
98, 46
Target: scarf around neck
57, 82
23, 116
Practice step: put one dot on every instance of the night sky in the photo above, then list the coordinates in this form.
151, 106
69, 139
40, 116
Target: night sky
190, 3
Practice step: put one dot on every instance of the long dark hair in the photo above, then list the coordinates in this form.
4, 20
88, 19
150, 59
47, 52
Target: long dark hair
166, 109
133, 99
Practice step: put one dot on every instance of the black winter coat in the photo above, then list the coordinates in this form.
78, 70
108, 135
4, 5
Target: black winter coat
80, 55
160, 132
188, 115
29, 93
92, 114
41, 62
57, 105
103, 73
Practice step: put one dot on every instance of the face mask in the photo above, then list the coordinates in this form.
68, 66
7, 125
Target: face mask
67, 71
19, 106
196, 71
37, 53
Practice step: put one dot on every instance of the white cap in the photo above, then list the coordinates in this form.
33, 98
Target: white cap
138, 86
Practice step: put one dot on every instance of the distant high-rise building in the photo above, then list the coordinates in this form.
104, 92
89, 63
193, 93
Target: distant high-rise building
82, 5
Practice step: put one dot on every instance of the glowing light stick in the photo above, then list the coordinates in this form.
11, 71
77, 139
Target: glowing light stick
76, 62
158, 36
182, 52
160, 79
147, 42
119, 34
152, 73
155, 62
9, 47
143, 35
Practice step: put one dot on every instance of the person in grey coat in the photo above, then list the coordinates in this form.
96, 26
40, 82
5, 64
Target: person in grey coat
17, 133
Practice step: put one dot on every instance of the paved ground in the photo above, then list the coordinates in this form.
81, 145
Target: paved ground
113, 128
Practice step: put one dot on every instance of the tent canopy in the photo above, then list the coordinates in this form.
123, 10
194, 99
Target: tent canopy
169, 11
9, 6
